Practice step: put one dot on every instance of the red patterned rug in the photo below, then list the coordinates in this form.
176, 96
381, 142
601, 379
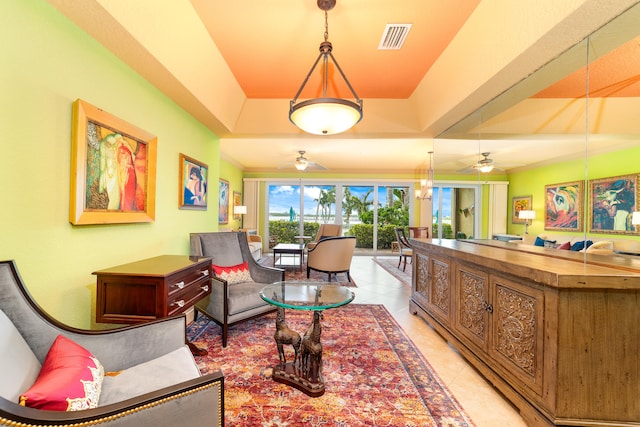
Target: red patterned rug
300, 273
374, 375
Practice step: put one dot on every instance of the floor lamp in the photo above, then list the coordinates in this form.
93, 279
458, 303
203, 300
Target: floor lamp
527, 216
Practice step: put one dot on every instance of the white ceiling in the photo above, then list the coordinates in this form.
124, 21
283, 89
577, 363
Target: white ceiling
235, 66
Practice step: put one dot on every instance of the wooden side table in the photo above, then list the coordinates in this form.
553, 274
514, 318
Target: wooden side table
152, 288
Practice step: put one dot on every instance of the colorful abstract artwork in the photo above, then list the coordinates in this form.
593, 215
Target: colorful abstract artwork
112, 169
613, 201
564, 206
521, 203
194, 177
223, 202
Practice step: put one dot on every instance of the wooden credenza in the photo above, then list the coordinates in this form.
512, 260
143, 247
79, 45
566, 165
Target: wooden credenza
152, 288
558, 336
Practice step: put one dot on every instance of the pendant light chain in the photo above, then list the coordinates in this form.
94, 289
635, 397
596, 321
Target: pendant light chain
326, 26
325, 59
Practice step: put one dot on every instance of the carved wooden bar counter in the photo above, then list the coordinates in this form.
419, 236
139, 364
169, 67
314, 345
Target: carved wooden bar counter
557, 333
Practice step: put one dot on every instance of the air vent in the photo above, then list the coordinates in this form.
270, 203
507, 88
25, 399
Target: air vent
394, 36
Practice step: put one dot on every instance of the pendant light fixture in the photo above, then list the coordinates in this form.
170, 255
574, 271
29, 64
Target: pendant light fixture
325, 115
426, 183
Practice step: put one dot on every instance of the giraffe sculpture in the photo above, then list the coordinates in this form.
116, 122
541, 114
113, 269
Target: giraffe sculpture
285, 335
311, 351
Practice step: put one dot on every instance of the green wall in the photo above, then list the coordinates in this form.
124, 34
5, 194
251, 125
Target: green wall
48, 63
532, 182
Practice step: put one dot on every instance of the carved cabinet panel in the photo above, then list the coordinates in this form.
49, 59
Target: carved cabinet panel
420, 291
517, 330
472, 313
439, 289
432, 286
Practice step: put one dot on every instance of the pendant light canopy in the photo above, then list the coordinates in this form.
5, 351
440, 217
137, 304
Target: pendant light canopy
325, 115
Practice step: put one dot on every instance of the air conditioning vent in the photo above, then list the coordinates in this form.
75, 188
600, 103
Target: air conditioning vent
394, 36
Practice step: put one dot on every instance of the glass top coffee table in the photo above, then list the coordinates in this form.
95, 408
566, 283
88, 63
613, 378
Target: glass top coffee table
305, 371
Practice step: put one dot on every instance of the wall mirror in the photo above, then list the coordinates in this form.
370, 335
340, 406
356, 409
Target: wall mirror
581, 109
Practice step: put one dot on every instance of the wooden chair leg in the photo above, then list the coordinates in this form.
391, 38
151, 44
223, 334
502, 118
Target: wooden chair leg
225, 330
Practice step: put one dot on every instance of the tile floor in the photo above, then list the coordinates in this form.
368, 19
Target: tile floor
481, 401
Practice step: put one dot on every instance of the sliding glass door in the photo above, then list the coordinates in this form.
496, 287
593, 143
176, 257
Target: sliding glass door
368, 212
454, 212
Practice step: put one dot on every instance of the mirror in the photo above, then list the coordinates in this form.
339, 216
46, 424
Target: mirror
574, 120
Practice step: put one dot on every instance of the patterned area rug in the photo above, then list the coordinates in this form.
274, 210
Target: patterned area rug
374, 375
391, 266
296, 273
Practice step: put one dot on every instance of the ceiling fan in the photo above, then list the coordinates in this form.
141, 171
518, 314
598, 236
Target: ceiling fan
484, 165
302, 163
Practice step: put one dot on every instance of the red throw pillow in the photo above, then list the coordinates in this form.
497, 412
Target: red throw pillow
70, 379
565, 246
234, 273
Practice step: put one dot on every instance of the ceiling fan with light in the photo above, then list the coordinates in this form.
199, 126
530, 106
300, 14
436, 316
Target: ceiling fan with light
302, 163
484, 165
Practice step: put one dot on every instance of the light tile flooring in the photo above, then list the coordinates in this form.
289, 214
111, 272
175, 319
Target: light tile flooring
480, 400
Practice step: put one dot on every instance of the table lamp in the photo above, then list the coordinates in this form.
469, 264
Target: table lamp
527, 215
240, 210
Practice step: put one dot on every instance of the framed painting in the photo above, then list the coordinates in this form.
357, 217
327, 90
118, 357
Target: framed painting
564, 206
613, 201
237, 201
520, 203
223, 202
194, 184
113, 169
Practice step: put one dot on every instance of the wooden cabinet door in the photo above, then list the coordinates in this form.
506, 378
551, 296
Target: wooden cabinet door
439, 290
420, 284
432, 286
517, 334
472, 314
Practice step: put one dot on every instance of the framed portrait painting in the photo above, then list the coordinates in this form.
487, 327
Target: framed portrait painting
223, 202
519, 203
564, 206
613, 201
237, 201
194, 184
113, 169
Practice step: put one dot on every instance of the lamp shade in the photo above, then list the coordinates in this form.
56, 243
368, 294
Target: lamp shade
635, 218
325, 116
240, 210
527, 214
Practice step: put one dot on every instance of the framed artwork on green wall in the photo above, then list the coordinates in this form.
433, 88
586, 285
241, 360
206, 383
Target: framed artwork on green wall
223, 202
194, 177
237, 201
613, 201
113, 169
564, 206
520, 203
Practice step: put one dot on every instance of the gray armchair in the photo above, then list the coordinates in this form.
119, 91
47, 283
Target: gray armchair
236, 302
180, 396
332, 255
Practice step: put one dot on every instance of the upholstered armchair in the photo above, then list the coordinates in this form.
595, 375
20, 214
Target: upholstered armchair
404, 247
332, 255
325, 230
235, 286
154, 379
255, 243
